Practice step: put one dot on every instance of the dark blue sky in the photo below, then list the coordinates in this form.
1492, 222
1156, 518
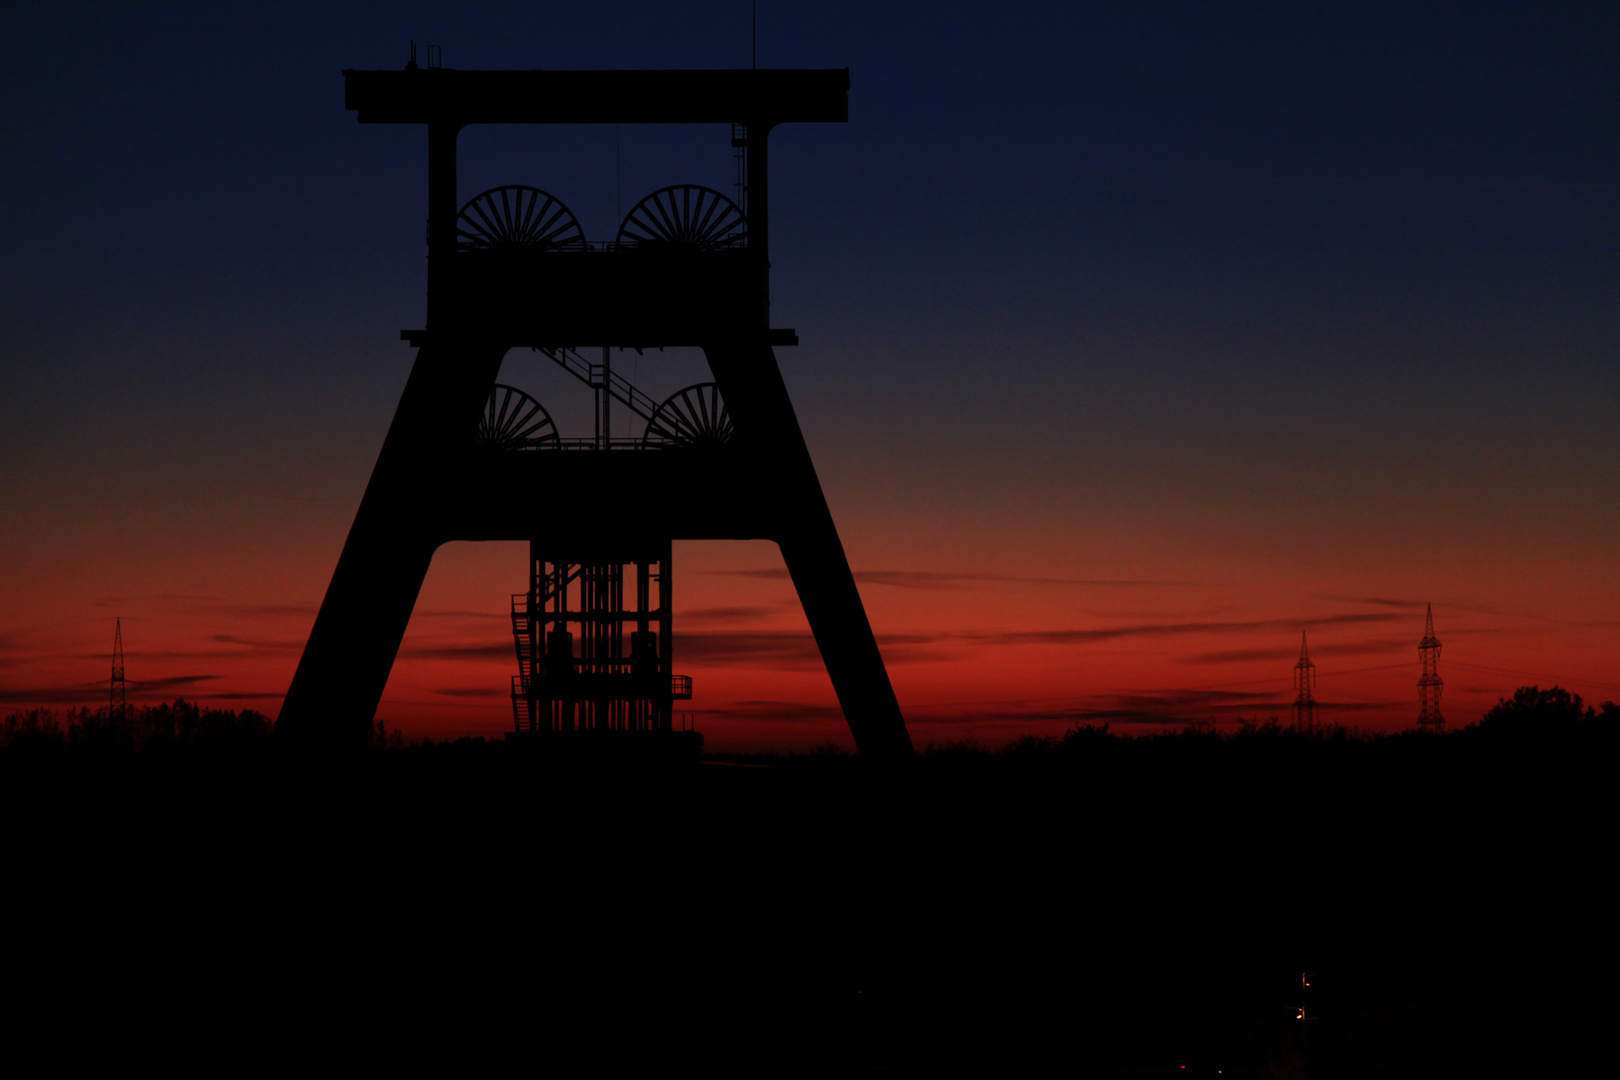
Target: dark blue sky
1241, 205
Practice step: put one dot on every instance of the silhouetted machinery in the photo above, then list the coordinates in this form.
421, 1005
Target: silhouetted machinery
467, 458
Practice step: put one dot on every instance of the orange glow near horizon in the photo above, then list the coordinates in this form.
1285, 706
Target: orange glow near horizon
983, 656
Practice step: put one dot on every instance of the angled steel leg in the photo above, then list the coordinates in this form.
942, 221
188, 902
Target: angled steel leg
766, 424
340, 678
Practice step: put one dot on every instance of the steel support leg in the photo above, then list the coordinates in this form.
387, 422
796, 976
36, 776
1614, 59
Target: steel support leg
766, 424
340, 678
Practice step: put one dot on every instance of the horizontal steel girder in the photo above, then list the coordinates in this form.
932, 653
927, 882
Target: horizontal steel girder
439, 95
597, 499
627, 298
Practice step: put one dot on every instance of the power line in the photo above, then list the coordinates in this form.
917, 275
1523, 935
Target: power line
1516, 673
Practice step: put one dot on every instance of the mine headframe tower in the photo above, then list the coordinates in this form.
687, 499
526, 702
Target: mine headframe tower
468, 459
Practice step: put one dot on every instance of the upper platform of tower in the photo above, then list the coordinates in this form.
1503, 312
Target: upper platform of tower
757, 97
688, 264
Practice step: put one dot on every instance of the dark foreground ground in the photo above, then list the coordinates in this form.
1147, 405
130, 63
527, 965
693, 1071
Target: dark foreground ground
1102, 907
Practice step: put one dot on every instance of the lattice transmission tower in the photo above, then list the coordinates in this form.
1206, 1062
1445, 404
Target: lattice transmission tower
116, 703
1429, 683
1304, 684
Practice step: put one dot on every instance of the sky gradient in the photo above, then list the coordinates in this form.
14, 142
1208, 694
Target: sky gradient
1137, 340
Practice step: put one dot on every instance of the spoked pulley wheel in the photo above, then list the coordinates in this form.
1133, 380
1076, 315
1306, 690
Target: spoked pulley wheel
517, 218
513, 420
694, 417
687, 215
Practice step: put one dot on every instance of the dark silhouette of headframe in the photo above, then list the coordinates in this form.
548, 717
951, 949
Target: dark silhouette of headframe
513, 269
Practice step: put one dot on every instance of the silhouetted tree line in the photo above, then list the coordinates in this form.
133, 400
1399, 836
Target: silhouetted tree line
1115, 899
171, 725
1531, 714
140, 728
181, 723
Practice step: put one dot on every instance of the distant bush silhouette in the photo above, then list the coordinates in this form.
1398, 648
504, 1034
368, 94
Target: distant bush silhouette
1085, 735
383, 739
1536, 713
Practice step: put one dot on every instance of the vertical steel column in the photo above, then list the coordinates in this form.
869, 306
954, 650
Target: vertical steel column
759, 219
561, 706
615, 641
606, 397
666, 637
646, 706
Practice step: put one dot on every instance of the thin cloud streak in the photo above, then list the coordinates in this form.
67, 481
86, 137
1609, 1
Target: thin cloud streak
259, 644
1282, 655
249, 647
790, 711
1070, 637
502, 651
173, 682
782, 649
1421, 605
455, 614
928, 579
797, 651
1174, 708
216, 605
96, 692
729, 614
1379, 601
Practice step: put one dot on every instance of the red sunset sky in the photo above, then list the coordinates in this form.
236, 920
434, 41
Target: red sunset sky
1133, 348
